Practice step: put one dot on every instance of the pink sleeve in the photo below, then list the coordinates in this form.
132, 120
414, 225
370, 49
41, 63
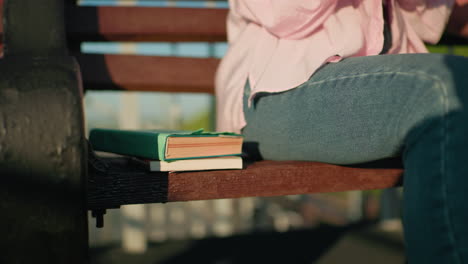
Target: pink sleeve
428, 18
288, 19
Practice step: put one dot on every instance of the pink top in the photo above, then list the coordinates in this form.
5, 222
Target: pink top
278, 44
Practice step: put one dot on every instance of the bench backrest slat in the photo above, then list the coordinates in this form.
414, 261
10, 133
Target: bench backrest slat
143, 24
146, 24
136, 24
148, 73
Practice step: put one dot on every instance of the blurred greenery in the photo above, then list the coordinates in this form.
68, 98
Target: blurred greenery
461, 50
201, 120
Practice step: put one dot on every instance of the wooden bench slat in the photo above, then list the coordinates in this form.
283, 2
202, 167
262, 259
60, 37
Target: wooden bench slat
115, 23
148, 73
128, 182
146, 24
276, 178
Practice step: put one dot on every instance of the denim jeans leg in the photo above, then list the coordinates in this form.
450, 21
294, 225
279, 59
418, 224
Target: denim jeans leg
436, 174
369, 108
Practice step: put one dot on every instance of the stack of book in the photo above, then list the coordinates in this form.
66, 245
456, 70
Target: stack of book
168, 150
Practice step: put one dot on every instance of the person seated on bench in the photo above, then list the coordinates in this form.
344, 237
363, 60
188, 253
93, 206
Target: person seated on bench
346, 81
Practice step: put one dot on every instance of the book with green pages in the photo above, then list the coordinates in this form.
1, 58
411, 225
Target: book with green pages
166, 145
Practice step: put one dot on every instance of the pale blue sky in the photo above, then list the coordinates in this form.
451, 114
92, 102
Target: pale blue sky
183, 49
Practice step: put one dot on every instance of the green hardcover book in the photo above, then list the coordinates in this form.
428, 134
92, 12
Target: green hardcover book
166, 144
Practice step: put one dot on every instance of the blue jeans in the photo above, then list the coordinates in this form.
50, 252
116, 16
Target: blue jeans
369, 108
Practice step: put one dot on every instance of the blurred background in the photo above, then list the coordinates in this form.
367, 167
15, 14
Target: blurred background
356, 227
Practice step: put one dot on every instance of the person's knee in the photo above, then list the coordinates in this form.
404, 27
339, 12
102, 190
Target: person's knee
446, 79
458, 76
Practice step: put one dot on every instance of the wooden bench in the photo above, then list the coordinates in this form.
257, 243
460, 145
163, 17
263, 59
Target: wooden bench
46, 188
143, 73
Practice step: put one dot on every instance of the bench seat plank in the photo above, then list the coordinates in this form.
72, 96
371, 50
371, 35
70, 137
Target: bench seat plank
128, 182
276, 178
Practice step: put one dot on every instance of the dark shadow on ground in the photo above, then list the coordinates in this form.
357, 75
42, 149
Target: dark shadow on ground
300, 246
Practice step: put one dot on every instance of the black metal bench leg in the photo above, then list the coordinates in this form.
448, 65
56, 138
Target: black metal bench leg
42, 152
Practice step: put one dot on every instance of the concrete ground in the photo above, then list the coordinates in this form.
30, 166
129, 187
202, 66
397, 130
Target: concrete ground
367, 245
324, 244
